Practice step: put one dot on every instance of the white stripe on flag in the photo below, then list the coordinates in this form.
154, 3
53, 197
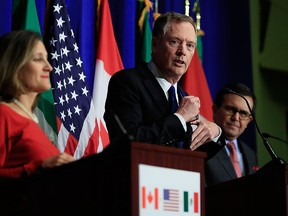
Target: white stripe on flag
63, 135
86, 132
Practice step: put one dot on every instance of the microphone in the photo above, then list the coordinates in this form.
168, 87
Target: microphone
265, 141
266, 135
121, 127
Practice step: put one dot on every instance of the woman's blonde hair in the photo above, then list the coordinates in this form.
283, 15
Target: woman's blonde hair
15, 51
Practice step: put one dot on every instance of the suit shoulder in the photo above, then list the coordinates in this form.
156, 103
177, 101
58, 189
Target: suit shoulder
138, 72
245, 145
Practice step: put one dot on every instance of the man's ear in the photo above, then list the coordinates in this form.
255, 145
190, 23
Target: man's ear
214, 108
154, 43
250, 119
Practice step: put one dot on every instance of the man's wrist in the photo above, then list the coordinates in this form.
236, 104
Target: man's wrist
219, 134
182, 120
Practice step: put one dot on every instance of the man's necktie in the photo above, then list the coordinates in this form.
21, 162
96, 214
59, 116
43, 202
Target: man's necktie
172, 99
234, 158
173, 106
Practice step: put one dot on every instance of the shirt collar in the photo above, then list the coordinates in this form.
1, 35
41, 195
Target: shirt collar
235, 143
165, 85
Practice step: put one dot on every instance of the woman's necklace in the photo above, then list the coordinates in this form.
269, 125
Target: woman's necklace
21, 106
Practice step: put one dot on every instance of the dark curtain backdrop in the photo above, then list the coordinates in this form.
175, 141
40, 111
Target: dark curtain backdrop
226, 43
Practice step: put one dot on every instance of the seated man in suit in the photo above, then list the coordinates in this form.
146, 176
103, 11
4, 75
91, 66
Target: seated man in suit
231, 113
139, 96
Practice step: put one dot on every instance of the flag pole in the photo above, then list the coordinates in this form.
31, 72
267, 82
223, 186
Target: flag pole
187, 7
156, 6
196, 10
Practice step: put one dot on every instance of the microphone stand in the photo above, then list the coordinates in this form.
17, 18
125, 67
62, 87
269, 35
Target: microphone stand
266, 135
122, 128
265, 141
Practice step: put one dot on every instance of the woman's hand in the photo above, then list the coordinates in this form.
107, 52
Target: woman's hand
62, 158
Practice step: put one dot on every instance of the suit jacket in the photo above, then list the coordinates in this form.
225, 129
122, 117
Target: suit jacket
136, 98
219, 168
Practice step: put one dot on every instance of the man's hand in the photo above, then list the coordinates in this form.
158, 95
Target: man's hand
205, 132
189, 108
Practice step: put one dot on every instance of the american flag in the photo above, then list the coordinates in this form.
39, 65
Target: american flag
171, 200
74, 107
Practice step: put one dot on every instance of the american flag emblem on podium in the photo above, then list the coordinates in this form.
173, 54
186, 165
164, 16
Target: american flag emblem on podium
171, 200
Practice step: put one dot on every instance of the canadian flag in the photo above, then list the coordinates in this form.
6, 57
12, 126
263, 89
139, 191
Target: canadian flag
108, 62
195, 83
149, 197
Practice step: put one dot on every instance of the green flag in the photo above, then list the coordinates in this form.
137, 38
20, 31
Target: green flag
147, 39
144, 37
45, 110
199, 47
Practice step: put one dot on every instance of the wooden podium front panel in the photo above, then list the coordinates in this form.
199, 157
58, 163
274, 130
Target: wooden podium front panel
168, 157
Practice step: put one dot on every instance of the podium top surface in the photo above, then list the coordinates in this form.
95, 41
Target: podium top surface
167, 149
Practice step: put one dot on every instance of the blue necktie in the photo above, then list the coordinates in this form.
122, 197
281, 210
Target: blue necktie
174, 106
172, 99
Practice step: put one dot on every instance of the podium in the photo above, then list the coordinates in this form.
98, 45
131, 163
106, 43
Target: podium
168, 157
263, 193
101, 184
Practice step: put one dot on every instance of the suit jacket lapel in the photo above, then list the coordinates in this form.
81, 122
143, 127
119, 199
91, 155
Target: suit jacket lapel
225, 160
154, 89
243, 149
181, 93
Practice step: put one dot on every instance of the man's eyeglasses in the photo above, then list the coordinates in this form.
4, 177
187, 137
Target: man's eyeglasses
230, 111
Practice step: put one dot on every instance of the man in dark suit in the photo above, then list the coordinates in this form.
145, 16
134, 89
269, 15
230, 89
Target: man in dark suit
232, 114
139, 96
